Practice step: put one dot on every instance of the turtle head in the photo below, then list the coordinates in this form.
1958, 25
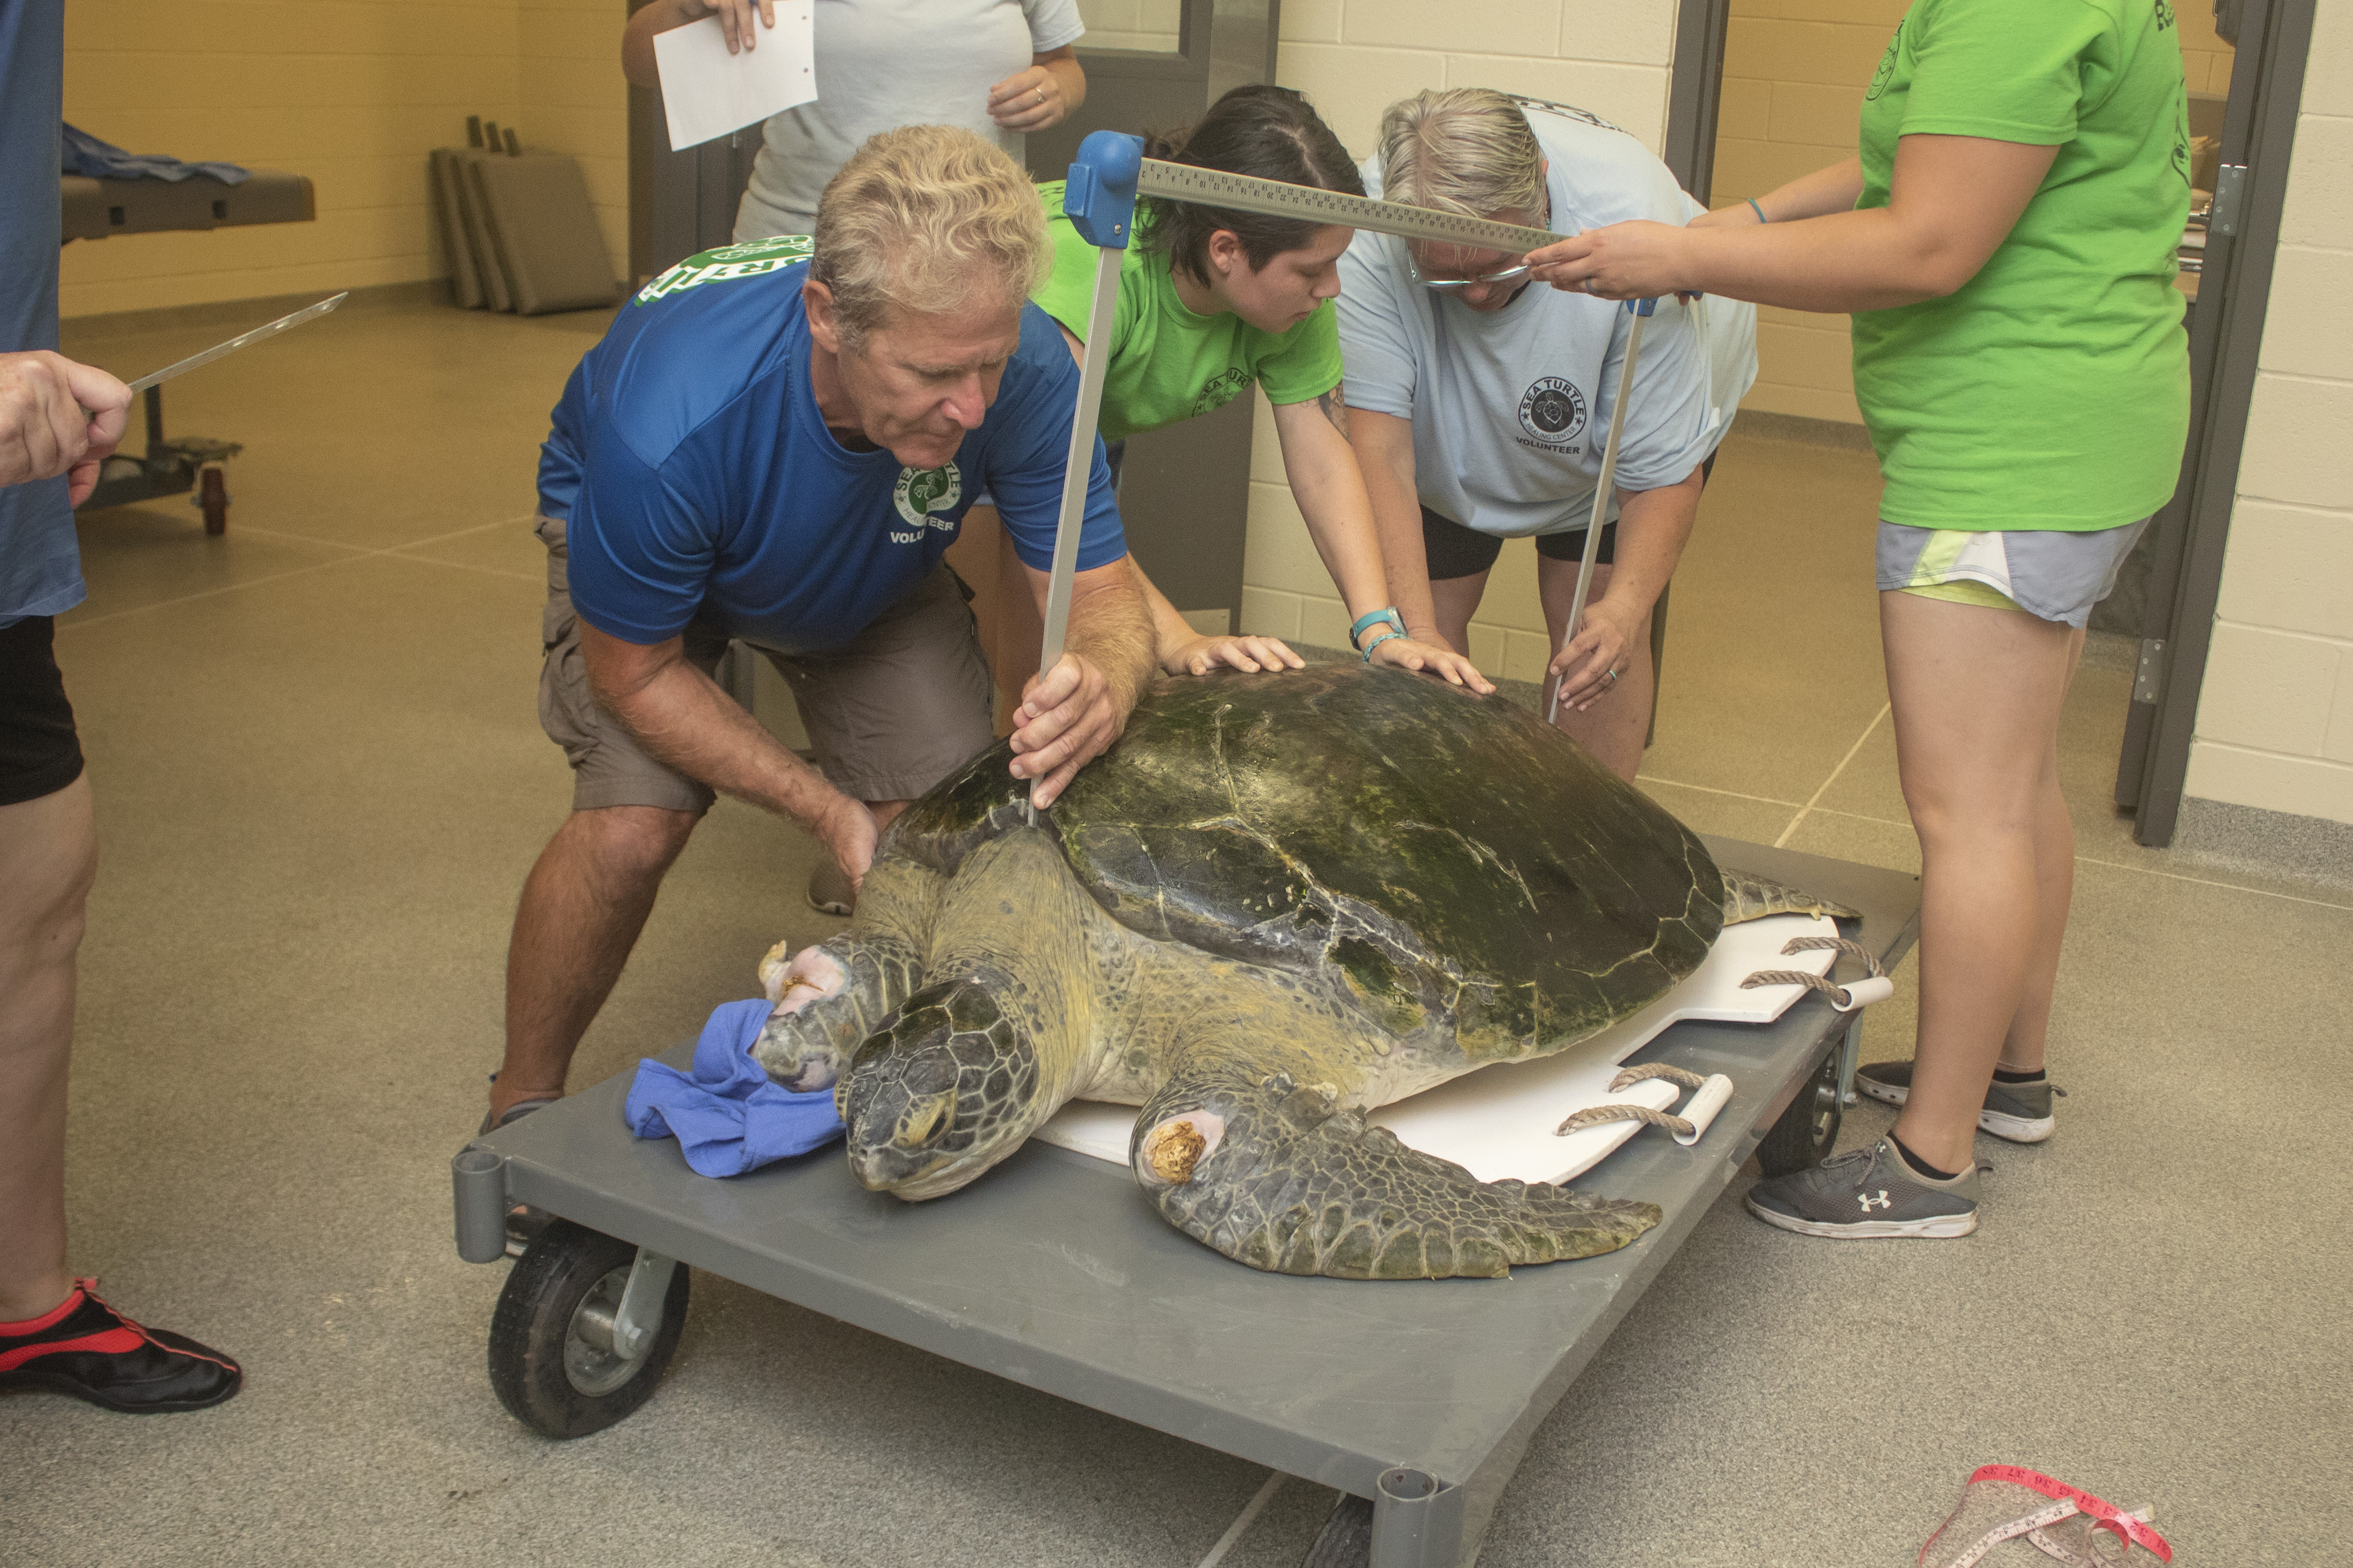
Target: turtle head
947, 1090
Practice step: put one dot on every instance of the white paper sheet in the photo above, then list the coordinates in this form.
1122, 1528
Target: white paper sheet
707, 92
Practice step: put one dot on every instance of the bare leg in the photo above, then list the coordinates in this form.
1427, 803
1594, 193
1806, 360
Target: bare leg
1977, 694
49, 858
1456, 600
582, 908
1613, 728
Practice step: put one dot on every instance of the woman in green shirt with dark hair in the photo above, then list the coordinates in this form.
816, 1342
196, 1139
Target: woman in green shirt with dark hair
2005, 241
1212, 301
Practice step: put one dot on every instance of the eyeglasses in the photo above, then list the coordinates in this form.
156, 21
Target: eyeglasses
1454, 285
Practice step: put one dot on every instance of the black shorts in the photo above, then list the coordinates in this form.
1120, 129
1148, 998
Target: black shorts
1454, 550
39, 752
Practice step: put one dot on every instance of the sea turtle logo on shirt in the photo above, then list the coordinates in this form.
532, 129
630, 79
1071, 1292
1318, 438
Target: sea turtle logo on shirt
921, 491
752, 259
1223, 388
1886, 65
1553, 411
2164, 15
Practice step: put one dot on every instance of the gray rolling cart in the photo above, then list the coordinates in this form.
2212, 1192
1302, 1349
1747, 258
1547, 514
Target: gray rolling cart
1417, 1399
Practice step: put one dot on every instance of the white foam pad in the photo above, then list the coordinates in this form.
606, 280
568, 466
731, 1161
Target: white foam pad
1498, 1122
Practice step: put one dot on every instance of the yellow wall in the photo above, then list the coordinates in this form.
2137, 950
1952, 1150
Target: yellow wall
2276, 715
1354, 57
353, 93
1794, 71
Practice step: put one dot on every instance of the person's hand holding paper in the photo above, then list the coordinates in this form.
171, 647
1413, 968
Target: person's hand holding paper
709, 87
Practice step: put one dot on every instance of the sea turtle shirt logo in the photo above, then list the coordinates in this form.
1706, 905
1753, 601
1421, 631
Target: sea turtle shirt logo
1553, 412
1222, 389
752, 259
1886, 65
922, 491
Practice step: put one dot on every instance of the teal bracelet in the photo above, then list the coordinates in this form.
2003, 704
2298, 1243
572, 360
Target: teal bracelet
1757, 210
1374, 618
1386, 635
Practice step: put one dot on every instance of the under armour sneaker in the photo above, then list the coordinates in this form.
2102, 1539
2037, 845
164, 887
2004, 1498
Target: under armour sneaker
2017, 1112
85, 1348
1868, 1192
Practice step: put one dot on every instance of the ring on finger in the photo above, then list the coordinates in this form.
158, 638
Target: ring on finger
1041, 95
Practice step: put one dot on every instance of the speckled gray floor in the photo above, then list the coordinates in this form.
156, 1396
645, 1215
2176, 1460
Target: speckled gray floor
320, 780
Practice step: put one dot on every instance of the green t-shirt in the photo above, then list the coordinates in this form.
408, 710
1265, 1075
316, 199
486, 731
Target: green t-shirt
2052, 391
1167, 363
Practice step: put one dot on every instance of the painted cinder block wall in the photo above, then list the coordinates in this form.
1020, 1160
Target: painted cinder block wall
2275, 714
353, 93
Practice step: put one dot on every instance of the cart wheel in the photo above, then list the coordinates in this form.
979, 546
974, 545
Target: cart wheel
1809, 1130
213, 498
552, 1360
1347, 1539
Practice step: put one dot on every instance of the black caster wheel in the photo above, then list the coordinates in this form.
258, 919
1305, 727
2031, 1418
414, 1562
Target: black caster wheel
1347, 1539
212, 496
1809, 1130
552, 1358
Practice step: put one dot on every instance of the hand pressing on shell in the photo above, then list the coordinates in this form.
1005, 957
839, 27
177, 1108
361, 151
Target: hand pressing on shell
1601, 644
1205, 654
848, 829
1431, 658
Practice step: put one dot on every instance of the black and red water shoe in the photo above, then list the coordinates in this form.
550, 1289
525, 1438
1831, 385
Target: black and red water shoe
84, 1347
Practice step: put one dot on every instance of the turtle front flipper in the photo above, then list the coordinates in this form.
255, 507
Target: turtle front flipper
829, 998
1752, 898
1276, 1175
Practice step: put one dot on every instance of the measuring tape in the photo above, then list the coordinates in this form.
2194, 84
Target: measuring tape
1100, 199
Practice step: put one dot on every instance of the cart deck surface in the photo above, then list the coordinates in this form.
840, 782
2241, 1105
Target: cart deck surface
1053, 1271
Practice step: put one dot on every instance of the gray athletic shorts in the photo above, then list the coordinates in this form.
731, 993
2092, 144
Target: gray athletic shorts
2047, 572
900, 708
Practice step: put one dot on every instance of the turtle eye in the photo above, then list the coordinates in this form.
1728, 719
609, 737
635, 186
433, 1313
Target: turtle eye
923, 1120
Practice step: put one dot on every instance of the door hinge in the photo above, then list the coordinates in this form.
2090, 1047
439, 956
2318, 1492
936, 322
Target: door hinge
2149, 676
2230, 201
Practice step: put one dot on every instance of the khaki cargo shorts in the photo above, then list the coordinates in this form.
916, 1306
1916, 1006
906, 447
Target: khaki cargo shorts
900, 708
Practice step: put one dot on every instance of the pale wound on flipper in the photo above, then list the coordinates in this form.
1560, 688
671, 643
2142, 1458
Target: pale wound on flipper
1278, 1177
1752, 898
829, 998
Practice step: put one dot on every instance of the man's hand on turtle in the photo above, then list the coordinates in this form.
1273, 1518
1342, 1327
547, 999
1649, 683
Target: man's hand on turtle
1639, 261
1069, 715
1203, 655
1431, 658
1591, 667
848, 829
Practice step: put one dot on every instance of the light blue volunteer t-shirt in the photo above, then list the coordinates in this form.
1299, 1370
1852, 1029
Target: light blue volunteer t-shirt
1510, 410
699, 483
40, 560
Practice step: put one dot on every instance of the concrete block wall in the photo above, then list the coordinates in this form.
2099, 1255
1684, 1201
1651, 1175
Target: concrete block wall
353, 93
1354, 59
2275, 714
1151, 25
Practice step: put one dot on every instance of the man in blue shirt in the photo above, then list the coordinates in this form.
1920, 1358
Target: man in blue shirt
775, 443
56, 420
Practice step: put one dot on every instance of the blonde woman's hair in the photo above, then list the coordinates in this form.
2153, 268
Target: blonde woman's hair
1463, 150
926, 219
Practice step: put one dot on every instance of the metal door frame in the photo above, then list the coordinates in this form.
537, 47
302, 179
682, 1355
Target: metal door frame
2226, 337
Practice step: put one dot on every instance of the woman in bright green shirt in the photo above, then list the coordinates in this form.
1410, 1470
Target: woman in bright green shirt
1211, 302
2005, 241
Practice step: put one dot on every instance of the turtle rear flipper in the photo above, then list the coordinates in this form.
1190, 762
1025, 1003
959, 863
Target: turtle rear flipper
1752, 898
1274, 1175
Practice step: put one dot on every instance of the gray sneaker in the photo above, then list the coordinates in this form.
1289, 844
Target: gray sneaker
1868, 1192
829, 892
2017, 1112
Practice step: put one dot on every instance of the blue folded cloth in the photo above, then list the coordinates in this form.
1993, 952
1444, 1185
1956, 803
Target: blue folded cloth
88, 156
727, 1117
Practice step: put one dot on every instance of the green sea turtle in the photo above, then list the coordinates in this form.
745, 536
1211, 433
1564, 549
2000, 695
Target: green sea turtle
1279, 901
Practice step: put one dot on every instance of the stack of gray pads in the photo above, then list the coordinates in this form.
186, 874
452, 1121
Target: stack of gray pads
522, 233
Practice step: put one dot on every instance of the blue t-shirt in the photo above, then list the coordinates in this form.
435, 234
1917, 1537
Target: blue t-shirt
700, 485
40, 560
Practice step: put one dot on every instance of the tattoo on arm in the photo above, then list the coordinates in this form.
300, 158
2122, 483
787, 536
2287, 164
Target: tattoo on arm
1335, 404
